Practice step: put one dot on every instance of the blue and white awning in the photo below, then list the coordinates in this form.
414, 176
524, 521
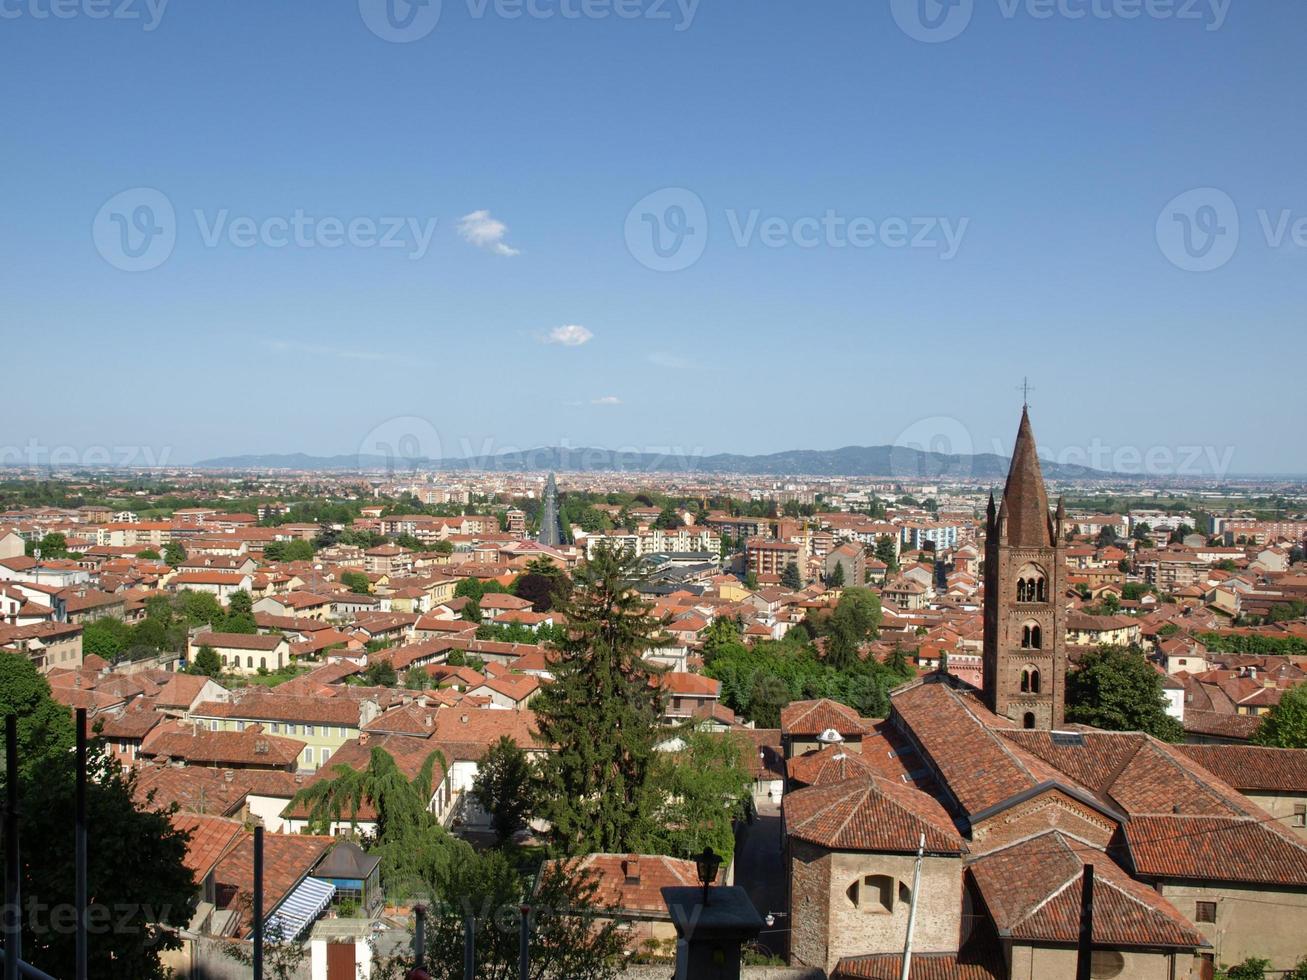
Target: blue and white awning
304, 904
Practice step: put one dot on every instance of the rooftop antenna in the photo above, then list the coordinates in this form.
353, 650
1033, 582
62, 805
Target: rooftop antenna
1025, 388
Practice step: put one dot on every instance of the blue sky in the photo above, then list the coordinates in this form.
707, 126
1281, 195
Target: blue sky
1049, 145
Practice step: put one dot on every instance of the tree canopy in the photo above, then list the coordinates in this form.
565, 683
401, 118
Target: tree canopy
1285, 725
136, 874
1116, 688
601, 710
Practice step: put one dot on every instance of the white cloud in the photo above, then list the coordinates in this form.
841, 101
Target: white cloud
570, 335
674, 362
606, 400
295, 347
483, 231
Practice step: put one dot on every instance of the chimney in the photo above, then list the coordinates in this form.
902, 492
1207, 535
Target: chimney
363, 738
631, 869
228, 775
261, 747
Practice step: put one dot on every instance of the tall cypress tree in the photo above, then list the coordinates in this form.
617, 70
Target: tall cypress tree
601, 712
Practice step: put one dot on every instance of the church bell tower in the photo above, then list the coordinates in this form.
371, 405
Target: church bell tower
1025, 604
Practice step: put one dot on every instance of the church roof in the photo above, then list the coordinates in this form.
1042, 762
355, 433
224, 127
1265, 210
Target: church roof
1025, 503
870, 814
831, 764
1032, 891
814, 717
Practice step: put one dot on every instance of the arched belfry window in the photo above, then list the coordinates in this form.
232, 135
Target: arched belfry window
1029, 720
1032, 637
1030, 680
1032, 584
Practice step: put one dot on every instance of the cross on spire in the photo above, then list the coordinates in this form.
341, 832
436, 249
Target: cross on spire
1025, 388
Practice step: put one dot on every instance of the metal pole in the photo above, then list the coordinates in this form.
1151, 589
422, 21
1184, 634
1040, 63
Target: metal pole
13, 877
912, 910
419, 936
469, 948
1085, 947
258, 902
80, 846
524, 945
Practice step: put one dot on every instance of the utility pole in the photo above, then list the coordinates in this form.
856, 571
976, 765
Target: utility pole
912, 909
13, 876
524, 945
469, 948
258, 901
1085, 947
79, 849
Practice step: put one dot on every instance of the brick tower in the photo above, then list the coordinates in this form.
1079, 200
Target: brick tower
1025, 607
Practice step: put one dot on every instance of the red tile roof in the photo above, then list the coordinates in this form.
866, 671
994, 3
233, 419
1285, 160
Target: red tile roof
814, 717
1032, 891
870, 814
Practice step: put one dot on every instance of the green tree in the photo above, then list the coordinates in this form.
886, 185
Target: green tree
1117, 689
855, 621
886, 552
380, 673
505, 788
601, 710
416, 679
240, 613
173, 553
106, 637
136, 875
698, 793
53, 545
1285, 725
1253, 968
412, 844
836, 578
568, 939
471, 611
751, 581
206, 662
790, 578
149, 554
356, 582
469, 587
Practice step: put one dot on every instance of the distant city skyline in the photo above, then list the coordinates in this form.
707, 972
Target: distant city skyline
728, 229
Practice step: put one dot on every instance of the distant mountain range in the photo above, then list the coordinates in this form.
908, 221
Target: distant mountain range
869, 461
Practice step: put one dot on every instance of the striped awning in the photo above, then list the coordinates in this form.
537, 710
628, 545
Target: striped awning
304, 904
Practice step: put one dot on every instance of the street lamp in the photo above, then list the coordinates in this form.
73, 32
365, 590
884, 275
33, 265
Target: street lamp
707, 864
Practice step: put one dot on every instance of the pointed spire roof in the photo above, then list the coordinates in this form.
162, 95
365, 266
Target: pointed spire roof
1024, 497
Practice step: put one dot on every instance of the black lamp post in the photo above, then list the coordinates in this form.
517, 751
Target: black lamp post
707, 864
